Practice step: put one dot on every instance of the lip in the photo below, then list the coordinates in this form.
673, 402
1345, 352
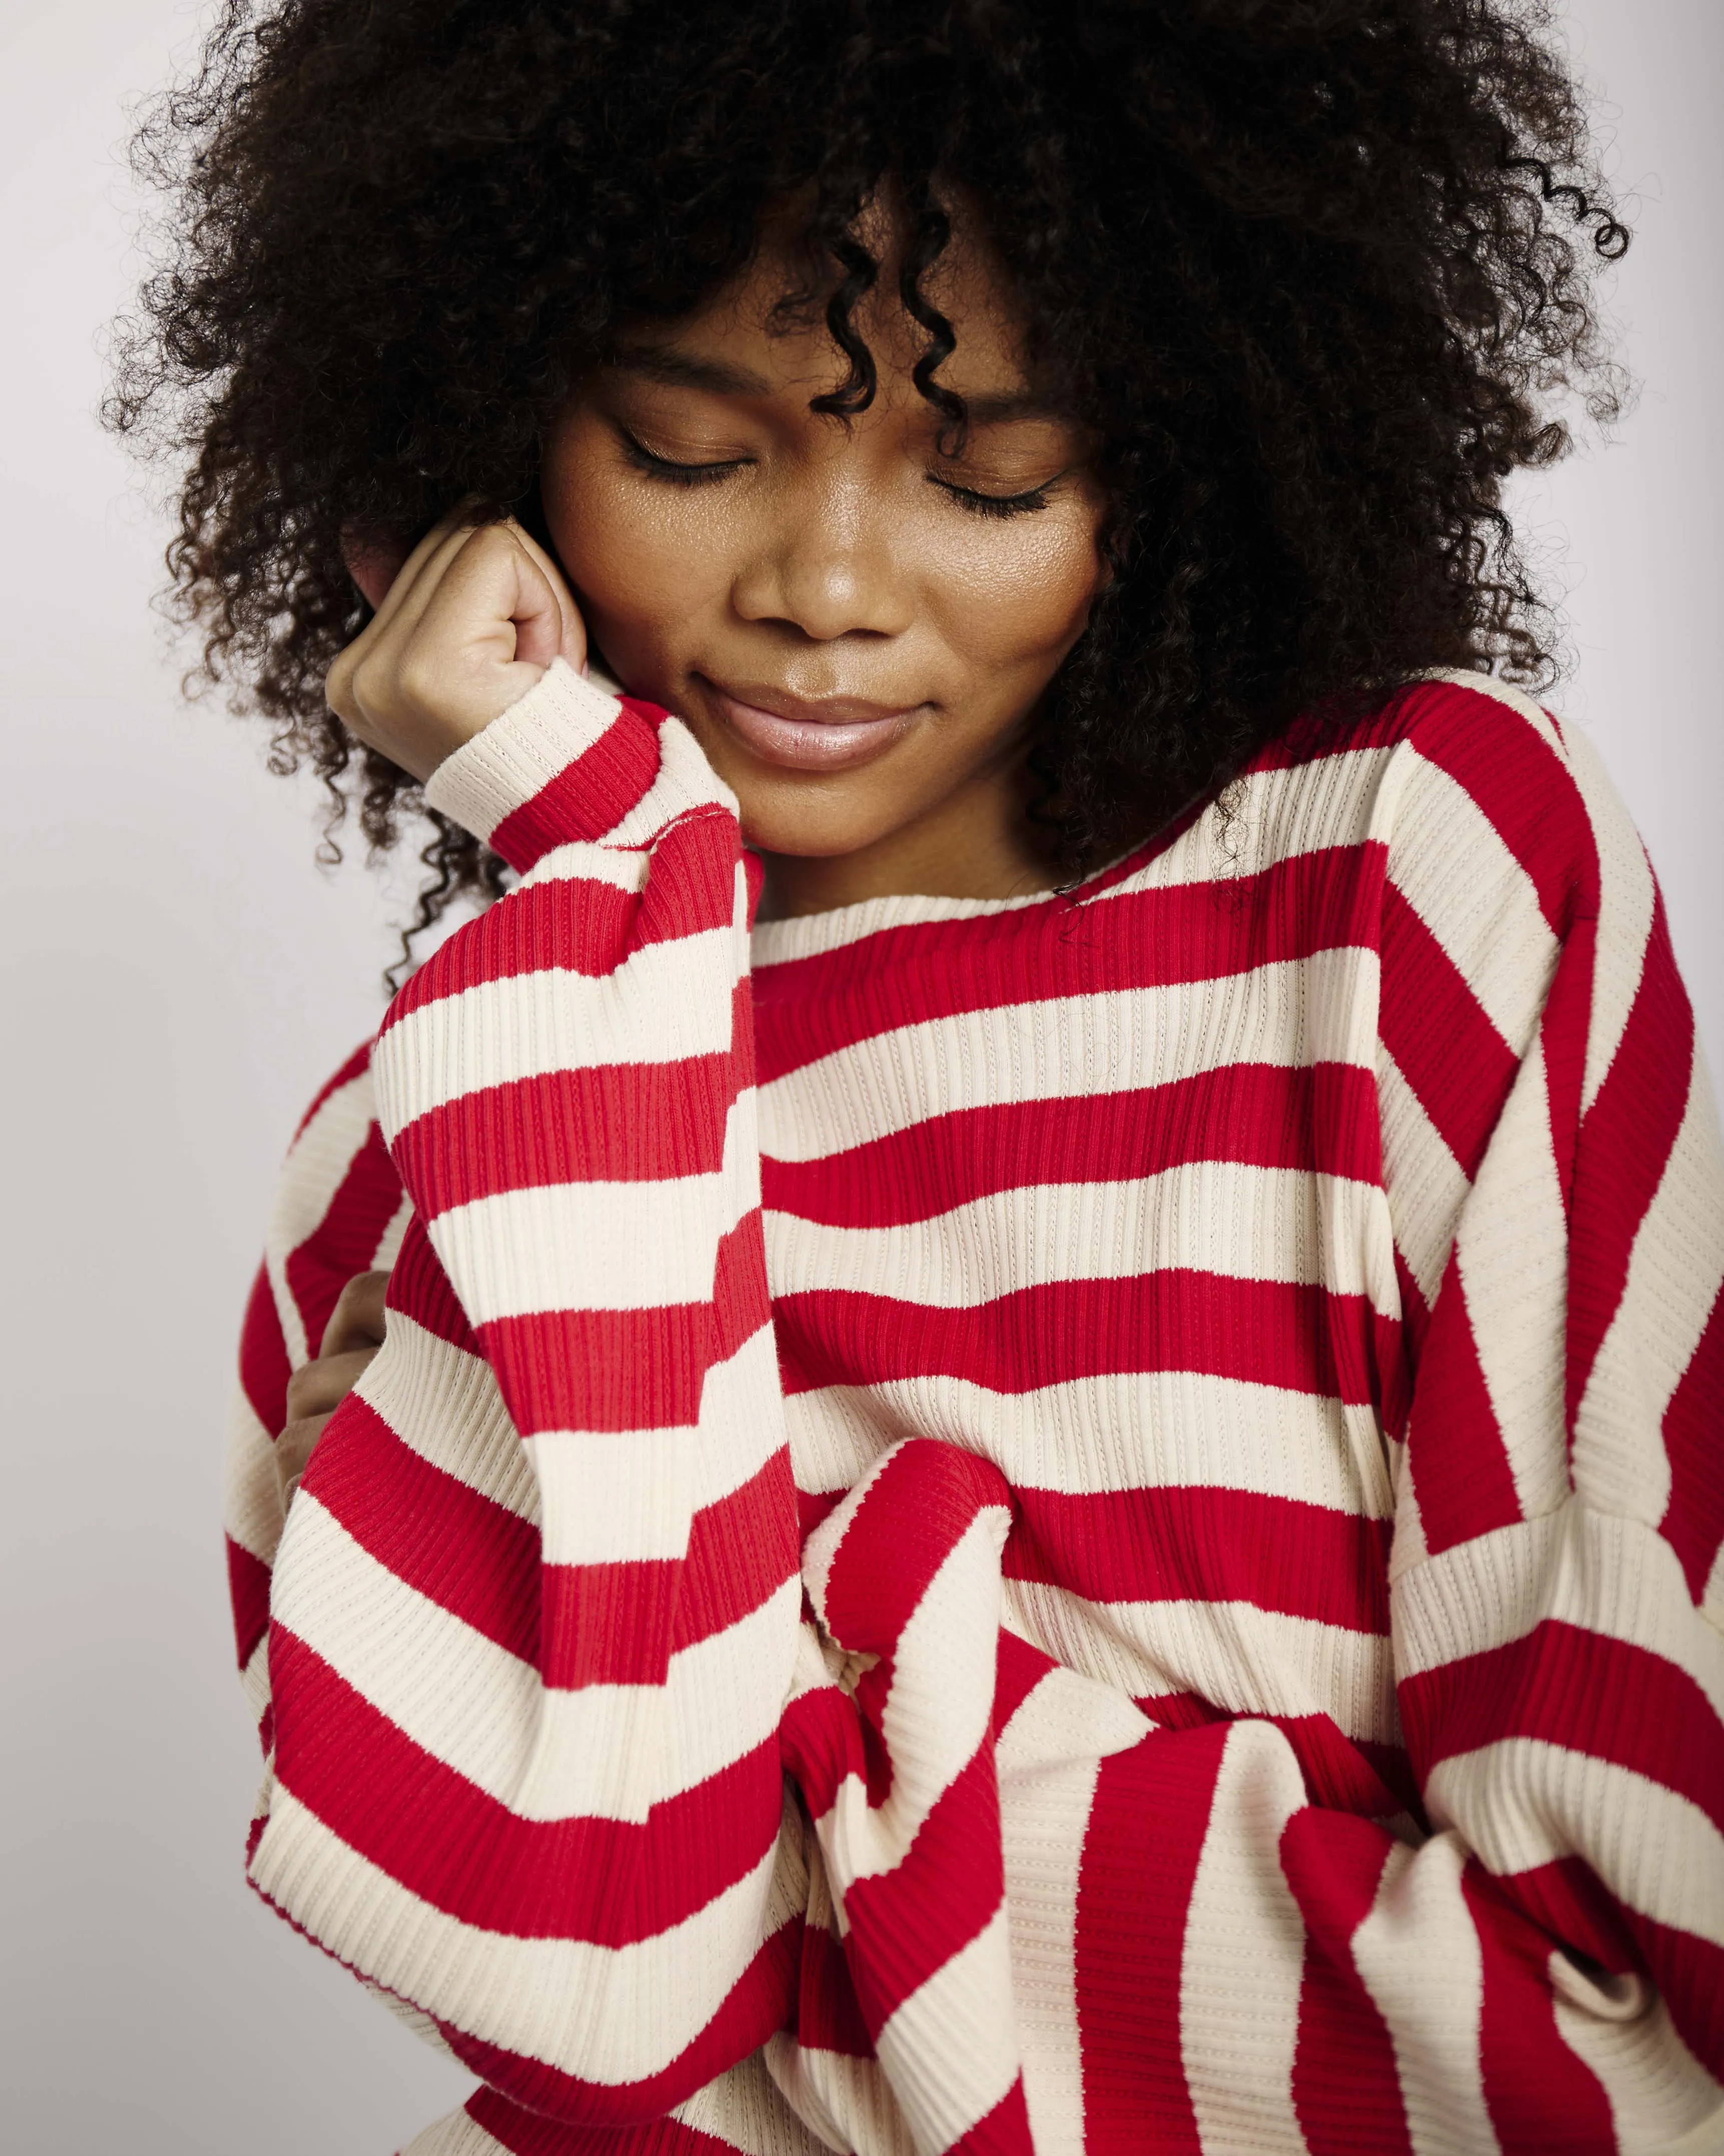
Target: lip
800, 734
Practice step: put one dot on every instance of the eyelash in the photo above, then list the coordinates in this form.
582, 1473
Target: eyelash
974, 503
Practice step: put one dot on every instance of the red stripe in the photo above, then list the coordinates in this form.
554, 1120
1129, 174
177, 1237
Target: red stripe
756, 2005
1018, 1668
345, 1241
1455, 1454
581, 926
1580, 1690
1540, 2093
917, 1509
249, 1593
527, 2133
614, 1883
821, 1734
419, 1289
1521, 786
603, 1369
356, 1066
1177, 1544
590, 796
630, 1369
906, 1923
1324, 1119
620, 1624
1569, 1901
808, 1007
1563, 1037
1146, 1833
264, 1366
1624, 1149
629, 1122
1693, 1522
1297, 1336
1346, 2089
460, 1549
1456, 1062
1005, 2129
741, 1549
827, 2017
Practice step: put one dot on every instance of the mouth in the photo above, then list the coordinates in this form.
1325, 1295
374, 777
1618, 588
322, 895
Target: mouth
801, 733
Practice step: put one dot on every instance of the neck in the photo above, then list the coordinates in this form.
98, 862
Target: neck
978, 842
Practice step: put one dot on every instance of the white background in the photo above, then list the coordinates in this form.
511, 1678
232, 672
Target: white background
178, 977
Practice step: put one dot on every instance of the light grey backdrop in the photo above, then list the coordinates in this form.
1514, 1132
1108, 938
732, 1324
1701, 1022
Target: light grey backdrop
178, 977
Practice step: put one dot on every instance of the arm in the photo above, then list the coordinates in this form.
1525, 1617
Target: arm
535, 1607
1540, 1972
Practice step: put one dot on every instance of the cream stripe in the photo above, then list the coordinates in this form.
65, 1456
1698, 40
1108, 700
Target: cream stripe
1626, 907
1523, 1803
251, 1495
1242, 1659
1243, 1954
610, 2015
1593, 1570
1513, 1246
1248, 1223
1451, 864
1657, 2089
1675, 1273
1289, 1014
662, 1003
608, 1752
1417, 1952
1148, 1430
951, 2049
444, 1403
1425, 1182
315, 1166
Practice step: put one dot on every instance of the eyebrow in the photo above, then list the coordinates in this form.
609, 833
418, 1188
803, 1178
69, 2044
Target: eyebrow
687, 370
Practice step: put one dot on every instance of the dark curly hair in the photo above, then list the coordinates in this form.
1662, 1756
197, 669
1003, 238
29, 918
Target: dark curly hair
1317, 272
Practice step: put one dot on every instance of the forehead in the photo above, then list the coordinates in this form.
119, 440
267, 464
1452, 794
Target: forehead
772, 320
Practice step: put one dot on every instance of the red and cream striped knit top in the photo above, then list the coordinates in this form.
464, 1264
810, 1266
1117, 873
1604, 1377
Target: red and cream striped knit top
1088, 1523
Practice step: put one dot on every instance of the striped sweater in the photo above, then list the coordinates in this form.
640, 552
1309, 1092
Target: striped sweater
1089, 1523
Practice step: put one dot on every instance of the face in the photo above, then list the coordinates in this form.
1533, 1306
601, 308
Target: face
856, 623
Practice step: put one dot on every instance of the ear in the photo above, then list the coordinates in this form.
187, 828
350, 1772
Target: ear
374, 560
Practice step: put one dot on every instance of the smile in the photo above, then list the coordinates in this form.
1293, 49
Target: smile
803, 734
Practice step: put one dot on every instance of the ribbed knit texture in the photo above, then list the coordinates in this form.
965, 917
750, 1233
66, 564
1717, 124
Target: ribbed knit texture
1089, 1522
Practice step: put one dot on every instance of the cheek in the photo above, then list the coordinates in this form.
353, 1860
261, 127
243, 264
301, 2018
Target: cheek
645, 560
1016, 598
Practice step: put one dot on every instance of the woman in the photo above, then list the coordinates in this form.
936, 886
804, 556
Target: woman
1041, 1470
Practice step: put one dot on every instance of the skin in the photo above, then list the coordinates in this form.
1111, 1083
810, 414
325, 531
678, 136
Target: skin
856, 620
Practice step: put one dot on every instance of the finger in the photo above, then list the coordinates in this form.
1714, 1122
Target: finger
374, 655
392, 576
573, 646
497, 581
319, 1387
357, 1320
293, 1449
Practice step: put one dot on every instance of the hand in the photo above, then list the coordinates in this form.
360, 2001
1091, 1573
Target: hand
353, 1334
463, 629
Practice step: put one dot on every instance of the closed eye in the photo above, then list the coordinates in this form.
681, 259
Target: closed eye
669, 469
993, 504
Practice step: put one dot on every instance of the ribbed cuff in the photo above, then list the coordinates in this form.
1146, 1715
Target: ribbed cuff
519, 754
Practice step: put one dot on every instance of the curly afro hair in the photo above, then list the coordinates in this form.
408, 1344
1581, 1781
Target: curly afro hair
1319, 272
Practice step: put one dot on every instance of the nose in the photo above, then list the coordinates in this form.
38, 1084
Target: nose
823, 563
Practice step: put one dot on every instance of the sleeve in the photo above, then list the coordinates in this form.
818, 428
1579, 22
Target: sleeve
338, 1210
1532, 1964
535, 1606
